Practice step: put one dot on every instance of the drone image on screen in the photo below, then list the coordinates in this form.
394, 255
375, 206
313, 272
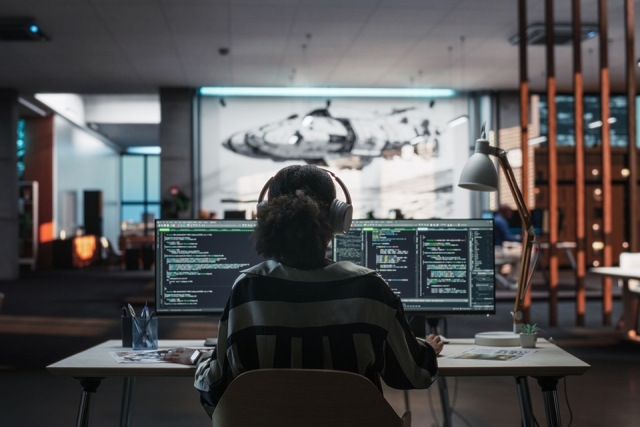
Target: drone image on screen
348, 140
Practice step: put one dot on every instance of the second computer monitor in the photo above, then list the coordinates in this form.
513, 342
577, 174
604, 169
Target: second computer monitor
436, 267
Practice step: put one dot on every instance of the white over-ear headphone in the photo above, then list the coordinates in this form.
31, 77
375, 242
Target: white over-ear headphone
340, 213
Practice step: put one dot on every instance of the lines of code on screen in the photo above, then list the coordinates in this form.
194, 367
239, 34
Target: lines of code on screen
432, 265
197, 267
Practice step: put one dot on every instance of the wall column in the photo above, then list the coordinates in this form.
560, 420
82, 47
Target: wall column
578, 91
9, 261
634, 232
177, 159
552, 167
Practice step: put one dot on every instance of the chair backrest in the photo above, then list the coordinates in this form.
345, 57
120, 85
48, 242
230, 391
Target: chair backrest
304, 397
1, 299
631, 260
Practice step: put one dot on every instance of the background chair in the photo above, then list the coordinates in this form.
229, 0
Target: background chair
111, 256
1, 299
304, 397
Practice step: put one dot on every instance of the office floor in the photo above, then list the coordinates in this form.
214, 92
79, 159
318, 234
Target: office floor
50, 315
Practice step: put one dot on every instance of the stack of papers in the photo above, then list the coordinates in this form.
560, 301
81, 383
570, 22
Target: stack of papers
500, 354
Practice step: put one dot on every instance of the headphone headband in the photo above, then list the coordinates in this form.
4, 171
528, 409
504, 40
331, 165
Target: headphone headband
340, 213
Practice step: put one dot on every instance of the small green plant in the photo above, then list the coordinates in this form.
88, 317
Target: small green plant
529, 329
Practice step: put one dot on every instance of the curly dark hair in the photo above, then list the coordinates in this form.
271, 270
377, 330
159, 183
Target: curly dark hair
294, 227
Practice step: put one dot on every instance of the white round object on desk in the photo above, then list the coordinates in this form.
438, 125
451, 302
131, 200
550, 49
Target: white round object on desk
498, 339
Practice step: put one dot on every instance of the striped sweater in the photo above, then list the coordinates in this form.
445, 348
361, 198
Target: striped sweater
341, 317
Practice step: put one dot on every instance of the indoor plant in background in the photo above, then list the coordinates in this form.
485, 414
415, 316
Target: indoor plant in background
528, 335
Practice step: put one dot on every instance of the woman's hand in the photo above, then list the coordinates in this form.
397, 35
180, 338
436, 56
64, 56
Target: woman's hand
436, 342
179, 355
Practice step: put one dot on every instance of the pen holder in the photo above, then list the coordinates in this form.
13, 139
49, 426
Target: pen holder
144, 333
126, 331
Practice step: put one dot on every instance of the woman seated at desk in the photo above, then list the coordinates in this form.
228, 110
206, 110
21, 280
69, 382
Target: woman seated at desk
302, 310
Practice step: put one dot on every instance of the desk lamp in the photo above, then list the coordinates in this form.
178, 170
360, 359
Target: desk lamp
479, 174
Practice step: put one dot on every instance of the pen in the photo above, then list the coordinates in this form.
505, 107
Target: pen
145, 310
131, 311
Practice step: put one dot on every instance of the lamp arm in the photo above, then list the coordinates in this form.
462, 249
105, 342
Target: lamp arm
527, 241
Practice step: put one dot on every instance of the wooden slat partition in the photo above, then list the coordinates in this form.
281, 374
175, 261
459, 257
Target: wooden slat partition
524, 124
606, 159
552, 166
578, 94
634, 238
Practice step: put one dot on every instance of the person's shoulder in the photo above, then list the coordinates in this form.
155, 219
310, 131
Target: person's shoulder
333, 272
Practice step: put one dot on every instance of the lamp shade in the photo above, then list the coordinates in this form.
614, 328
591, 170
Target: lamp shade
479, 174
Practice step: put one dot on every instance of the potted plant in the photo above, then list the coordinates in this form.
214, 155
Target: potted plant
528, 335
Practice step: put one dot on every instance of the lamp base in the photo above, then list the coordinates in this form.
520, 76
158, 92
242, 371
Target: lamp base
497, 339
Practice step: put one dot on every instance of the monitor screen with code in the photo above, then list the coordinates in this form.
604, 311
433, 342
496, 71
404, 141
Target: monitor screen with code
197, 262
435, 266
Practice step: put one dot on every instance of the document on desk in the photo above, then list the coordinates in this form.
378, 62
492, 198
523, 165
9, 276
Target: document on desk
140, 356
500, 354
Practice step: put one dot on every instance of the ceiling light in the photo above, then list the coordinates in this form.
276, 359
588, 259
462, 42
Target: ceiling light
612, 120
594, 125
327, 92
562, 34
21, 29
458, 121
144, 150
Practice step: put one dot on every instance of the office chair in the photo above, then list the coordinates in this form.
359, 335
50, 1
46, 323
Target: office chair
304, 397
1, 299
110, 255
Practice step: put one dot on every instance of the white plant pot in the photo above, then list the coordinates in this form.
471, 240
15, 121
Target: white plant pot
528, 340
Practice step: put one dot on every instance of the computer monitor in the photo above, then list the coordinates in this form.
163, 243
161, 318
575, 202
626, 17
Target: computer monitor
436, 267
197, 262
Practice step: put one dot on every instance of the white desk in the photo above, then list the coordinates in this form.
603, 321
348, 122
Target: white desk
629, 307
547, 365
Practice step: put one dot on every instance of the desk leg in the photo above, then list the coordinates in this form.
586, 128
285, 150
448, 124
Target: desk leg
524, 398
89, 387
127, 397
444, 399
550, 397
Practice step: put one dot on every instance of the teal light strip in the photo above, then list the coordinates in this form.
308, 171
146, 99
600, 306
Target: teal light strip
327, 92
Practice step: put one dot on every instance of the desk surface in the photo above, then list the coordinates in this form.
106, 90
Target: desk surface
622, 273
548, 360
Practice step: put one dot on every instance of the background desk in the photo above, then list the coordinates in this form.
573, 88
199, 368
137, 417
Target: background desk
629, 305
548, 364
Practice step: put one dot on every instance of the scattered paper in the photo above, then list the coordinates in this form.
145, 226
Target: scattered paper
140, 356
501, 354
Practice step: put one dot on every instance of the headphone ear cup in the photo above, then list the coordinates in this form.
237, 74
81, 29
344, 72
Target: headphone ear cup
340, 214
260, 206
